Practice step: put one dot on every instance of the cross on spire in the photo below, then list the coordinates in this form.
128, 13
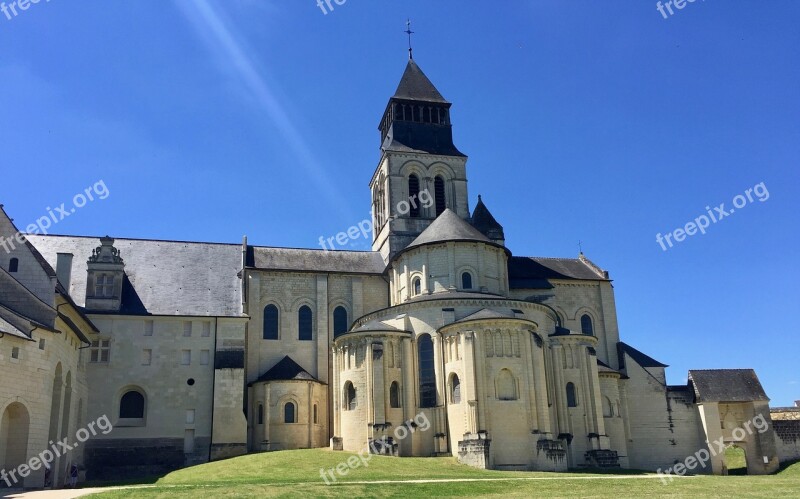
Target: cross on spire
409, 32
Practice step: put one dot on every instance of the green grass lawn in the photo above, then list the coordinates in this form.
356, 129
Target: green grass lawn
297, 474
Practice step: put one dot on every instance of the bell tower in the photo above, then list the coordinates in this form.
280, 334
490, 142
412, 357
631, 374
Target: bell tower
421, 172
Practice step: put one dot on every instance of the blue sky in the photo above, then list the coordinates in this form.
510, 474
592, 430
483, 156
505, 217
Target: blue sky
594, 121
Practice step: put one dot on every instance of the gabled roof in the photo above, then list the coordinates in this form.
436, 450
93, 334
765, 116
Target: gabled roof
448, 227
414, 85
161, 277
286, 370
483, 220
638, 357
309, 260
726, 385
525, 272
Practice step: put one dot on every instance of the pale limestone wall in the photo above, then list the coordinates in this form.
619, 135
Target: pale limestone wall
30, 381
392, 175
164, 381
662, 427
572, 299
440, 268
230, 423
277, 434
290, 291
613, 417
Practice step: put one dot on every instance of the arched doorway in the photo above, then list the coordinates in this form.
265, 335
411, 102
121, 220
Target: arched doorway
14, 427
735, 460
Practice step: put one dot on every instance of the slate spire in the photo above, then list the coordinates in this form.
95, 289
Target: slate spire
483, 220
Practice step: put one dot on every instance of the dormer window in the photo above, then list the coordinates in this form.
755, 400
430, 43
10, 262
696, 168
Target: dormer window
104, 286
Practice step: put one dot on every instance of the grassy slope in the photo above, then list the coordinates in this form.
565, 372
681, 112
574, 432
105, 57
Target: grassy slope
297, 473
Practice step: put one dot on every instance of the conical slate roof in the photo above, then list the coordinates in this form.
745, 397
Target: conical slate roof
416, 86
483, 220
485, 313
448, 227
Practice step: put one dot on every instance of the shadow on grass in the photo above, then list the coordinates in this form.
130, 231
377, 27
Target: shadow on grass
143, 480
608, 471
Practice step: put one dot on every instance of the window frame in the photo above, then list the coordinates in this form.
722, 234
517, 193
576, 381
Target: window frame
277, 322
305, 324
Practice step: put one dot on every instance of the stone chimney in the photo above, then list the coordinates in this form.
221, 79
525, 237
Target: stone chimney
64, 270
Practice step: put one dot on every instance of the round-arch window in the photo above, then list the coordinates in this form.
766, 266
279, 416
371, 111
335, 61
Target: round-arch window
466, 280
350, 401
289, 413
131, 405
586, 325
417, 286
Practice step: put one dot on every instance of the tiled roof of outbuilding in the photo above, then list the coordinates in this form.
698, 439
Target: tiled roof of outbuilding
726, 385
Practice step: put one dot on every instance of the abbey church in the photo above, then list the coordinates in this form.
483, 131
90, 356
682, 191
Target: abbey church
201, 351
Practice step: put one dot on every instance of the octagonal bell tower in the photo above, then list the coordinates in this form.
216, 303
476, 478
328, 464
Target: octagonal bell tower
421, 173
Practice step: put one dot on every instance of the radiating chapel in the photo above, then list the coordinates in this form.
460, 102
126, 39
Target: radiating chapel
200, 351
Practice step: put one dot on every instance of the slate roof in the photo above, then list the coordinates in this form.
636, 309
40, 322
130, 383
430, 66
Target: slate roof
286, 370
602, 367
377, 326
486, 313
161, 277
526, 272
21, 307
483, 220
8, 328
414, 85
229, 359
726, 385
448, 227
639, 357
308, 260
